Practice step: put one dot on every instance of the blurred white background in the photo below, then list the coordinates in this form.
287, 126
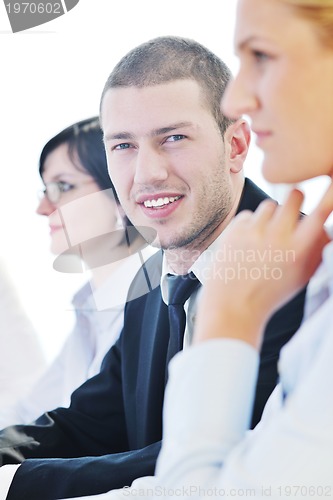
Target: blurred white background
52, 76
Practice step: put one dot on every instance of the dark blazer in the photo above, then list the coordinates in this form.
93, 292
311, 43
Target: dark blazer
111, 433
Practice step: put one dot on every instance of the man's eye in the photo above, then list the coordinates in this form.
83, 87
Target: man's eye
175, 137
121, 146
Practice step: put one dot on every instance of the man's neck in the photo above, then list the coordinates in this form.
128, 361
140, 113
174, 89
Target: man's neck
176, 261
181, 259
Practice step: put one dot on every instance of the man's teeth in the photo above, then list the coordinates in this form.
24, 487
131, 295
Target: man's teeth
160, 202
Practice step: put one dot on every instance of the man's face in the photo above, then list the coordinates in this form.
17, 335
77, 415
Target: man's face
167, 160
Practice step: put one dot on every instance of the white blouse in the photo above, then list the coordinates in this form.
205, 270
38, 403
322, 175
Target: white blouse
99, 321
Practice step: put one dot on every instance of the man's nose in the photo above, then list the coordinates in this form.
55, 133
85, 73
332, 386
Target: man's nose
151, 166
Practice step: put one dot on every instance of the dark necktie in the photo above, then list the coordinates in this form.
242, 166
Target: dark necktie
180, 289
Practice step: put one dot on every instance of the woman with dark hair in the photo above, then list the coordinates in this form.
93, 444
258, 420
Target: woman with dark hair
88, 231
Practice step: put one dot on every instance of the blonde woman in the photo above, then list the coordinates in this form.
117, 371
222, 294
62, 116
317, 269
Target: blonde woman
285, 86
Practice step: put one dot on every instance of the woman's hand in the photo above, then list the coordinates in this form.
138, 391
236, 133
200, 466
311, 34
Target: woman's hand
265, 258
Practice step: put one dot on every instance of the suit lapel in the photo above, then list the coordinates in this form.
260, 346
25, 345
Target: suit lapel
251, 197
153, 349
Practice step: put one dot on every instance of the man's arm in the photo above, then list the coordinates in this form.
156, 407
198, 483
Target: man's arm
67, 478
94, 424
87, 444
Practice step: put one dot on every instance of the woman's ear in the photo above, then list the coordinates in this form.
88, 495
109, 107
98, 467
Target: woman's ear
238, 137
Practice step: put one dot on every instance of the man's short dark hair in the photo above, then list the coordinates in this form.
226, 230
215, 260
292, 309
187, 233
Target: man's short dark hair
169, 58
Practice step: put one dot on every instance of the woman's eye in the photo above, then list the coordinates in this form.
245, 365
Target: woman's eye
65, 186
175, 137
260, 56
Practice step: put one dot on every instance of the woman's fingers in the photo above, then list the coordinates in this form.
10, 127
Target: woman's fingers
278, 219
264, 213
287, 217
312, 226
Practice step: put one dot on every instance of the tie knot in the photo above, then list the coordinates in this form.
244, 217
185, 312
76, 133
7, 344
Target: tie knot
181, 287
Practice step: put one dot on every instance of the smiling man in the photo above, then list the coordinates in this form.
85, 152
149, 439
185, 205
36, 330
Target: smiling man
176, 163
174, 168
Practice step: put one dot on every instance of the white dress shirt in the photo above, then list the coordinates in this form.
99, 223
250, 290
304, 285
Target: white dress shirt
202, 269
207, 450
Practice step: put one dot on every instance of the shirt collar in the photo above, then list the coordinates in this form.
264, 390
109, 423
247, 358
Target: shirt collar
201, 268
82, 296
102, 305
112, 293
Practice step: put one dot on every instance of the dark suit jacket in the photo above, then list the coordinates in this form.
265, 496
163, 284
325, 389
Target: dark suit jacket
111, 433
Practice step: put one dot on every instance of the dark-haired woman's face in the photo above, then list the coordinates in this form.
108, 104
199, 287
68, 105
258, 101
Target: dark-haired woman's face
82, 211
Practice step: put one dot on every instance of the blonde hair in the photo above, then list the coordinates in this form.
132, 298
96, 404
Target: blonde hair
319, 13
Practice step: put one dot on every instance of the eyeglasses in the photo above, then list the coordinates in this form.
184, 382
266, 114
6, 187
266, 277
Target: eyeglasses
54, 190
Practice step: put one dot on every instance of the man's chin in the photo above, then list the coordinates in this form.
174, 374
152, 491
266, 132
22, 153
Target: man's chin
175, 244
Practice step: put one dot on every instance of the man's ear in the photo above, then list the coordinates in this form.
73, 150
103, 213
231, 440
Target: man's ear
237, 138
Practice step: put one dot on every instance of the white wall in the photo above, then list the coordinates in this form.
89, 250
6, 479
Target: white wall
52, 76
